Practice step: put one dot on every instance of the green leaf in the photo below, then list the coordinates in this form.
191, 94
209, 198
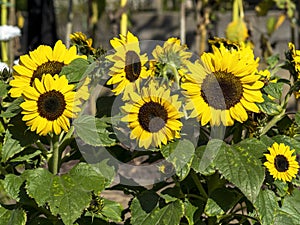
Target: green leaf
269, 107
76, 70
26, 158
11, 185
297, 118
273, 60
12, 217
205, 156
240, 164
282, 218
274, 89
10, 147
189, 211
180, 154
212, 208
111, 211
13, 108
93, 131
266, 206
225, 198
105, 170
291, 206
67, 195
3, 89
168, 215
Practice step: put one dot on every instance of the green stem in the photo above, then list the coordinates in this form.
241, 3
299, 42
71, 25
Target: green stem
42, 148
55, 159
198, 184
272, 123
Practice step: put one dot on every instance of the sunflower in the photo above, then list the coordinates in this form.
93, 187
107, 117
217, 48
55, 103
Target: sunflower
294, 57
281, 163
222, 87
41, 61
128, 64
49, 103
170, 60
84, 44
153, 116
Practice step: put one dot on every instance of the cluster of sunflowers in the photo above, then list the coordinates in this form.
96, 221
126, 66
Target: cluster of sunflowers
161, 96
222, 87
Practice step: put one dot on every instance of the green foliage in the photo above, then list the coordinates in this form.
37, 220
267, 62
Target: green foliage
204, 174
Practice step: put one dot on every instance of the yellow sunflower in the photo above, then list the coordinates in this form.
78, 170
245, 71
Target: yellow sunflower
41, 61
170, 60
49, 103
129, 65
153, 116
223, 87
84, 44
281, 162
295, 57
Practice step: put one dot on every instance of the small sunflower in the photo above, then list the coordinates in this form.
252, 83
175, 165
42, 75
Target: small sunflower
41, 61
49, 103
153, 116
294, 57
170, 60
281, 162
129, 65
84, 44
222, 87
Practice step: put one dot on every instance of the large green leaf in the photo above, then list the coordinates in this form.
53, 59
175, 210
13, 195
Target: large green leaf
93, 131
274, 89
180, 154
240, 164
269, 107
189, 211
168, 215
67, 195
76, 70
11, 185
10, 147
290, 208
266, 206
212, 208
111, 211
205, 156
13, 108
12, 217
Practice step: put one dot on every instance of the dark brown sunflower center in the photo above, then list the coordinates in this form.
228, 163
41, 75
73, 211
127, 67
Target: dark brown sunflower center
133, 66
152, 116
51, 105
51, 67
281, 163
221, 90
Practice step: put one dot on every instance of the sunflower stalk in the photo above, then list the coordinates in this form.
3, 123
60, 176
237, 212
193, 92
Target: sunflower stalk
198, 184
276, 118
55, 158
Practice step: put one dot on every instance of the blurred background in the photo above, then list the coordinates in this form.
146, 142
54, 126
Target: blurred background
269, 24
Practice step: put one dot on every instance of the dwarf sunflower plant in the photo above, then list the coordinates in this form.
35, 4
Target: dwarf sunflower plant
181, 139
